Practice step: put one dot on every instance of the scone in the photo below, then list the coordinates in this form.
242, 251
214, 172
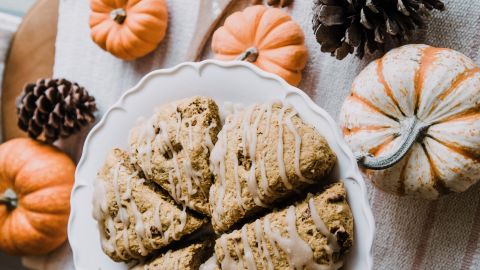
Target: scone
135, 217
314, 234
264, 153
172, 148
187, 258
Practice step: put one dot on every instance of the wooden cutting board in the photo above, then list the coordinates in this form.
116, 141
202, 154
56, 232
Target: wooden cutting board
31, 57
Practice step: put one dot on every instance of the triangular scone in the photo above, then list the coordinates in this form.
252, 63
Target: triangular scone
172, 148
135, 217
315, 234
187, 258
264, 153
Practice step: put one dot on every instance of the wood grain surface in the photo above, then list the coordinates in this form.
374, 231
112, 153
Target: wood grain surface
31, 57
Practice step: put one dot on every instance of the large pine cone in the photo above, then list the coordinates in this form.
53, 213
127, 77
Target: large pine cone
341, 26
54, 108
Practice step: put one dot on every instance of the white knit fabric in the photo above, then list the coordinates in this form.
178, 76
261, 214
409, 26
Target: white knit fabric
411, 234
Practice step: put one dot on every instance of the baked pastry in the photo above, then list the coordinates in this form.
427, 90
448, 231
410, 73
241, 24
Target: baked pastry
264, 153
314, 234
187, 258
135, 217
172, 148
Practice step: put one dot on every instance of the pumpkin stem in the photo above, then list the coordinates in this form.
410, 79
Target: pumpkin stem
9, 198
249, 55
118, 15
411, 131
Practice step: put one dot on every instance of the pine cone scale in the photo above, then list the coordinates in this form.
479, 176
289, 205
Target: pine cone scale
331, 15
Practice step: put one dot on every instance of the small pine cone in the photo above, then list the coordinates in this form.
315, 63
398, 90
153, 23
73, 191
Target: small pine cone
340, 26
54, 108
278, 3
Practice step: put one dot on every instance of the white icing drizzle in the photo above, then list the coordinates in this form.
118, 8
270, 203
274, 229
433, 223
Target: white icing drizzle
217, 163
249, 258
249, 140
164, 145
183, 219
238, 187
122, 213
263, 176
332, 245
179, 122
208, 138
269, 119
172, 186
192, 174
190, 135
147, 135
267, 228
299, 253
139, 227
262, 246
240, 258
280, 161
156, 217
228, 262
298, 145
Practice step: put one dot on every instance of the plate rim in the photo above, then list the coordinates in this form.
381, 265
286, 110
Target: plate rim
198, 66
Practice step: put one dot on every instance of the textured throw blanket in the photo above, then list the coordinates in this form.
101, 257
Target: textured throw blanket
411, 234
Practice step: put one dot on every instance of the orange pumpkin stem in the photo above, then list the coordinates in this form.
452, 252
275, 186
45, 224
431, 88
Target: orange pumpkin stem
9, 198
249, 55
118, 15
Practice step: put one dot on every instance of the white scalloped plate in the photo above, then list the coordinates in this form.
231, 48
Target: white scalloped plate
224, 81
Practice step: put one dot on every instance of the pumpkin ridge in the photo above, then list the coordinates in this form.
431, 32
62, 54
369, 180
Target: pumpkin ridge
386, 87
137, 27
294, 79
99, 34
458, 149
461, 78
124, 43
59, 210
348, 131
464, 115
285, 18
279, 63
256, 23
403, 171
237, 40
467, 74
128, 27
438, 184
41, 229
132, 3
8, 236
129, 42
220, 49
100, 7
120, 3
362, 100
427, 59
297, 38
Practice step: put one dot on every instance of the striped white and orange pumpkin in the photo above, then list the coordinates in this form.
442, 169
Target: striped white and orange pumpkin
417, 87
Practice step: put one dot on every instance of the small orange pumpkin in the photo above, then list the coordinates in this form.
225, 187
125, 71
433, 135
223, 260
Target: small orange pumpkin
267, 37
128, 29
35, 184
